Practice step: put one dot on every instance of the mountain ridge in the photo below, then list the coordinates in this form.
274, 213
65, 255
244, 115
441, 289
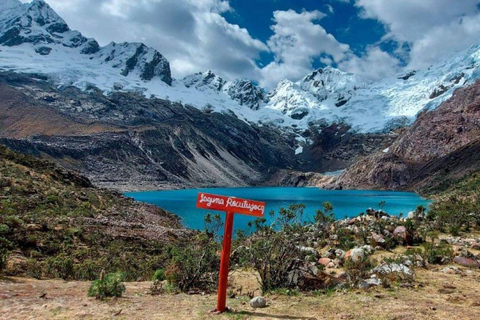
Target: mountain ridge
325, 96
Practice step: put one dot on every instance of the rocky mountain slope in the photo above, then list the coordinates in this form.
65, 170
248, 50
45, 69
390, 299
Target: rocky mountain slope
129, 142
439, 148
55, 223
116, 114
34, 39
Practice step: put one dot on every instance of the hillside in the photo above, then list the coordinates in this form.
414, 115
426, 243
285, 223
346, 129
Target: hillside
439, 149
54, 223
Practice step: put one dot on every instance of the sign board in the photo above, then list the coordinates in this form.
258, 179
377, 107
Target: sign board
230, 204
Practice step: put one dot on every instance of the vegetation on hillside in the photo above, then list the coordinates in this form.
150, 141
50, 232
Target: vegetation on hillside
55, 224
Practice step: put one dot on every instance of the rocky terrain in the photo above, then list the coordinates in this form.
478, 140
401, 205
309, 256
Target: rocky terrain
55, 223
438, 149
117, 115
129, 142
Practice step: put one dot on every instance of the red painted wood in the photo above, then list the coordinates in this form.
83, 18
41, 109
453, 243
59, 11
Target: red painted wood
230, 204
224, 263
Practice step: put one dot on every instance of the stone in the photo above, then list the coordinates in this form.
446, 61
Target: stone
400, 232
355, 254
309, 251
340, 254
324, 261
378, 239
466, 262
388, 268
368, 283
258, 302
451, 270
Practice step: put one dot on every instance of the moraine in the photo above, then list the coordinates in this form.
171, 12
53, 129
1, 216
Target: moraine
345, 202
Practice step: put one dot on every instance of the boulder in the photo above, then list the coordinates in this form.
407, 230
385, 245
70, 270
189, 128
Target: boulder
258, 302
355, 254
388, 268
401, 232
466, 262
451, 270
340, 254
378, 239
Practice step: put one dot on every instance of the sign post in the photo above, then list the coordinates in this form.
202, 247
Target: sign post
230, 205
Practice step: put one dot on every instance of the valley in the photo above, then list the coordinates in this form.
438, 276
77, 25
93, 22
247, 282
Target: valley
372, 185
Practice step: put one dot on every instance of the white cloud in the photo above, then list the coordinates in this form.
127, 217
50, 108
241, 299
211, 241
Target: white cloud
191, 34
432, 28
296, 42
374, 64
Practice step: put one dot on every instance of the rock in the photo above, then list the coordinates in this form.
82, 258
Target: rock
33, 227
324, 261
378, 239
340, 254
368, 283
400, 231
309, 251
389, 268
355, 254
451, 270
258, 302
466, 262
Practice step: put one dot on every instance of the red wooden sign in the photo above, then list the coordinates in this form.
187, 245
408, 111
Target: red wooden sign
230, 204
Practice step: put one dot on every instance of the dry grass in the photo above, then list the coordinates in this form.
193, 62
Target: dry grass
438, 296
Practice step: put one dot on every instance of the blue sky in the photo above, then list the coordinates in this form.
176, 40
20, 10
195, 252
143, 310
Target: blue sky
342, 20
271, 40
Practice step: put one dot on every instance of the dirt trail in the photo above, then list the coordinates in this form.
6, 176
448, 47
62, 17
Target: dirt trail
438, 296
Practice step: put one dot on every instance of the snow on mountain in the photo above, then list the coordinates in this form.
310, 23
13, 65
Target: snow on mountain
33, 38
242, 91
32, 30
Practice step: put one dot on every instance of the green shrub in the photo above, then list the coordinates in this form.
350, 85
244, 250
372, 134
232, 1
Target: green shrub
358, 270
274, 250
110, 285
193, 264
4, 229
60, 266
440, 253
159, 275
4, 252
325, 216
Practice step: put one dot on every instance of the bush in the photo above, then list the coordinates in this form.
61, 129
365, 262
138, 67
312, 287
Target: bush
440, 253
159, 275
275, 251
194, 264
358, 270
5, 246
110, 285
157, 285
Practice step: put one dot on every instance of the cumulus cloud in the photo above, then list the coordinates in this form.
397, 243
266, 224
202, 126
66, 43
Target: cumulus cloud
296, 42
374, 64
432, 28
194, 36
191, 34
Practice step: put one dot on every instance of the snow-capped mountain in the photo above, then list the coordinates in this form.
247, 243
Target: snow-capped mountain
242, 91
34, 39
33, 30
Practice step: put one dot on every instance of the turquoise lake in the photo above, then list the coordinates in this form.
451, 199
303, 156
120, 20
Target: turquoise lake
345, 202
